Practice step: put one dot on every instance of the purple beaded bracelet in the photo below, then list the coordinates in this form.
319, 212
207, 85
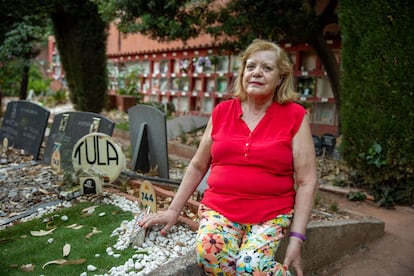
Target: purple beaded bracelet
297, 235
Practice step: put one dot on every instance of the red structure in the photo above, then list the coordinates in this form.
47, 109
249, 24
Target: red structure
197, 75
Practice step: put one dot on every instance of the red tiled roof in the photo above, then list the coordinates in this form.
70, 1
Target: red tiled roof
121, 44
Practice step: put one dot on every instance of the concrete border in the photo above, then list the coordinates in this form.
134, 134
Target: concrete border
327, 242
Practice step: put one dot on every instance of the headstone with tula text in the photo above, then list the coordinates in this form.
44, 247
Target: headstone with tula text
24, 125
65, 132
97, 160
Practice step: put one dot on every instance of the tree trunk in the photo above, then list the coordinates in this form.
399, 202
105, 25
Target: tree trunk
81, 40
331, 65
24, 81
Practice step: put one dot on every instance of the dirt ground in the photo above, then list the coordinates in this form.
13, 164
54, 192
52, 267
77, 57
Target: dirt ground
392, 254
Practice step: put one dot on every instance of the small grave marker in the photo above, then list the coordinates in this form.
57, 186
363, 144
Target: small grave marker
3, 157
24, 126
97, 160
147, 196
317, 144
328, 142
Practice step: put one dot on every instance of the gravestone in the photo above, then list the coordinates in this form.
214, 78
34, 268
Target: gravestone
328, 142
97, 160
318, 144
24, 126
148, 134
67, 129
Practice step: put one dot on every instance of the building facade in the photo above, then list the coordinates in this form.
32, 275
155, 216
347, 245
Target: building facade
195, 76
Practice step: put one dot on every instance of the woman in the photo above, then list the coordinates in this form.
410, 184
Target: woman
258, 147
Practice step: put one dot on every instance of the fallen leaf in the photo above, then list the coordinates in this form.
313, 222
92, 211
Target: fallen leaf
77, 261
41, 233
90, 209
59, 262
66, 250
43, 191
94, 231
74, 226
64, 262
27, 268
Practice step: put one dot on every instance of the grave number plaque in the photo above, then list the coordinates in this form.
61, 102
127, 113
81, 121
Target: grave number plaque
147, 196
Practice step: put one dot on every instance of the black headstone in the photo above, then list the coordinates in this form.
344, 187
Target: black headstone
68, 128
318, 144
328, 141
24, 125
149, 144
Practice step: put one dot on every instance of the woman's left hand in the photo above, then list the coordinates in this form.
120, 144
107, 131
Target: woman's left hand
293, 256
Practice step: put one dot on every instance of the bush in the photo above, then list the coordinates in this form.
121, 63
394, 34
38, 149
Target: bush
377, 98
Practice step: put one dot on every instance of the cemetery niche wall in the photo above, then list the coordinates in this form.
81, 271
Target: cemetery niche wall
67, 129
24, 125
149, 145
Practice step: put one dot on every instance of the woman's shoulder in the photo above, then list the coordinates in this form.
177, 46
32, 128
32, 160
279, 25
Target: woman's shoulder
294, 107
227, 104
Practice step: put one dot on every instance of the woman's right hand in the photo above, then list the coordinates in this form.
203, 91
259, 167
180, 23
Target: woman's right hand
167, 218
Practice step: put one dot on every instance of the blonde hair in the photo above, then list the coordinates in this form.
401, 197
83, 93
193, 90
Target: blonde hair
284, 92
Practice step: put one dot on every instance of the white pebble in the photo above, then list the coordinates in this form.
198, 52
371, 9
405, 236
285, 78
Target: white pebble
64, 218
91, 268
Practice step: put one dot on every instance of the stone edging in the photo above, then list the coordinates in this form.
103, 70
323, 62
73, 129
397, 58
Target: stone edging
327, 242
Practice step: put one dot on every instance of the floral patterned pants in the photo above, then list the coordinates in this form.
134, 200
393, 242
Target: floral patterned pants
228, 248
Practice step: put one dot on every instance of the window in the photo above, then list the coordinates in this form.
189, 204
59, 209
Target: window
324, 113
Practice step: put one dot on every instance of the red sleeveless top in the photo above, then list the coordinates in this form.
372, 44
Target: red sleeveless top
251, 174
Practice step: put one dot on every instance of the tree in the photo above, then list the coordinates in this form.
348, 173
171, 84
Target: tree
21, 32
81, 40
234, 23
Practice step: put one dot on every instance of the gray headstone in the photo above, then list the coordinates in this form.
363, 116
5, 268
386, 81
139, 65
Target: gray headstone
328, 142
68, 128
149, 146
184, 124
24, 126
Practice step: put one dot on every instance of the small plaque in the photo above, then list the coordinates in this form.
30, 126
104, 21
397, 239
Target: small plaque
3, 157
147, 196
91, 185
5, 144
55, 162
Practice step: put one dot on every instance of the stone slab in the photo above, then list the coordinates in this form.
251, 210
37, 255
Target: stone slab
148, 134
66, 130
24, 126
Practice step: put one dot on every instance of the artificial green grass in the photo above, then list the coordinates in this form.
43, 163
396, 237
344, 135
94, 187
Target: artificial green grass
18, 247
